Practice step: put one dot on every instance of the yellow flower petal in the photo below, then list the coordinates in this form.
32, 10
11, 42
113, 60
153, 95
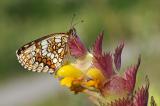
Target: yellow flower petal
68, 71
67, 81
92, 83
94, 73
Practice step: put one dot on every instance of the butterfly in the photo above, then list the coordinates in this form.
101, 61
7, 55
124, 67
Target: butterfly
46, 54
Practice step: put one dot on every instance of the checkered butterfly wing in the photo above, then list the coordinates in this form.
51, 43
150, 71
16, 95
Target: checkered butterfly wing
45, 54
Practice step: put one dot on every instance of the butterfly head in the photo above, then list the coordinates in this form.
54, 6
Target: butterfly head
72, 32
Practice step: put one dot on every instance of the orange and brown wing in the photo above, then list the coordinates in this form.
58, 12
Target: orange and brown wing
45, 54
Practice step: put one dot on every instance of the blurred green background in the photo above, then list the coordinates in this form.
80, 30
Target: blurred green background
137, 22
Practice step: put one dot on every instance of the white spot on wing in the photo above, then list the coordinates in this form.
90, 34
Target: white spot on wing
25, 66
44, 50
58, 64
60, 50
30, 67
35, 65
33, 53
52, 56
44, 42
54, 60
45, 69
44, 47
40, 67
60, 60
57, 40
58, 37
49, 54
44, 53
59, 44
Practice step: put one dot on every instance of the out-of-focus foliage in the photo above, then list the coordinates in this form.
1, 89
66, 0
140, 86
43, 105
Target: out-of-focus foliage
136, 22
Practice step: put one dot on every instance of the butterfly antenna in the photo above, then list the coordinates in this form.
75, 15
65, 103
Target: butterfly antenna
73, 17
78, 23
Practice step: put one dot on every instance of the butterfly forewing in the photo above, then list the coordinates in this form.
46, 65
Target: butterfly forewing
45, 54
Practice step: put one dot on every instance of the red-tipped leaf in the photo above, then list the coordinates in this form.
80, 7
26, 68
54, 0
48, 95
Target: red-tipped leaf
117, 56
121, 86
130, 76
97, 47
141, 96
104, 63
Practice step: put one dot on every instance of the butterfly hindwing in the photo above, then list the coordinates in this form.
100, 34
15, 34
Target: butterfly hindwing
45, 54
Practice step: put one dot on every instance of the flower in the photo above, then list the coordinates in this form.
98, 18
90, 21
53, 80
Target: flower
97, 73
117, 56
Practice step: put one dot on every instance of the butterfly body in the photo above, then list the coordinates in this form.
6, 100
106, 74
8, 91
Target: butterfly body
45, 54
